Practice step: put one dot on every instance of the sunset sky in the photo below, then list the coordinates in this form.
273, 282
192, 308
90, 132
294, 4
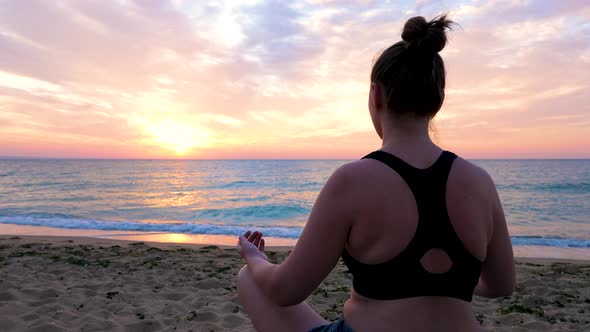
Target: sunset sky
281, 79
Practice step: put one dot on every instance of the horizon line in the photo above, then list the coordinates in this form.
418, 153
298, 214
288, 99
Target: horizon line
246, 159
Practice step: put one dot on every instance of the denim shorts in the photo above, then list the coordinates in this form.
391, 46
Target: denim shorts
338, 326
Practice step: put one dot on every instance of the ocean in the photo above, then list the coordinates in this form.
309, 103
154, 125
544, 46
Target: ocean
547, 202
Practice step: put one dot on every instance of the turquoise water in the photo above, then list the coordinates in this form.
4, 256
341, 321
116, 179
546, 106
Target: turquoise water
547, 202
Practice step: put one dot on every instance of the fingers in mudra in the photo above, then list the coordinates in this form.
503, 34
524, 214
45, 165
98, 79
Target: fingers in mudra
252, 236
256, 239
261, 246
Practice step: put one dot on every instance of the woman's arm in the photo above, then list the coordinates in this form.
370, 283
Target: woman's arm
498, 275
318, 249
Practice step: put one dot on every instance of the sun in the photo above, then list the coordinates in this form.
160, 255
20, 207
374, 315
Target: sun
178, 136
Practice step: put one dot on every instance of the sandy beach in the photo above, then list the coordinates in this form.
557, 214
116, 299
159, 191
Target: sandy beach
87, 284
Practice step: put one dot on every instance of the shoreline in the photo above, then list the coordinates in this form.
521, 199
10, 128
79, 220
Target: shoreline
109, 242
103, 241
136, 236
160, 239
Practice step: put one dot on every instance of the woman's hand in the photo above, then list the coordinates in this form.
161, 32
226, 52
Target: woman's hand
251, 245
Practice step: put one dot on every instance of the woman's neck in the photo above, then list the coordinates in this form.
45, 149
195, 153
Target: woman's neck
405, 132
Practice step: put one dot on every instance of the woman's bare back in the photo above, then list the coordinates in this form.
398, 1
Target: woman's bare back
385, 224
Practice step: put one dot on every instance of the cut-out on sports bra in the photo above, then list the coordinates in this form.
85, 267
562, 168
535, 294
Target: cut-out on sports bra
404, 276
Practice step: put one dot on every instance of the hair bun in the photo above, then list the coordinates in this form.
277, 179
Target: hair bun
430, 36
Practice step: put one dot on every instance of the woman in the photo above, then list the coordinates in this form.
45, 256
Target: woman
420, 229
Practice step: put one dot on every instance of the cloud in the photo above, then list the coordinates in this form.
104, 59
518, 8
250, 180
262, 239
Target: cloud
275, 78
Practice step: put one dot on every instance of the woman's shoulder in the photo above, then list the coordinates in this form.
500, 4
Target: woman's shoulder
357, 170
469, 175
353, 176
348, 173
363, 178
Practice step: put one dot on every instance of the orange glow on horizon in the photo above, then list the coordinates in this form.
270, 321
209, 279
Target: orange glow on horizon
176, 136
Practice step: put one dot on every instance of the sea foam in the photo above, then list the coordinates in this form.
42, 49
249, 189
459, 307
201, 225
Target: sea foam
63, 221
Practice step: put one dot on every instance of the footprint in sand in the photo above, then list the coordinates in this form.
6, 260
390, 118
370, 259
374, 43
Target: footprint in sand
209, 284
205, 315
7, 296
143, 326
173, 296
231, 321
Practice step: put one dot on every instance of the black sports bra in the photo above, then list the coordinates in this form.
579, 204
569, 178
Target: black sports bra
403, 276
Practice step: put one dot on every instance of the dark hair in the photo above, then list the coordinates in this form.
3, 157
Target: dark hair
411, 71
